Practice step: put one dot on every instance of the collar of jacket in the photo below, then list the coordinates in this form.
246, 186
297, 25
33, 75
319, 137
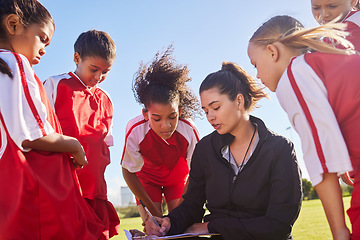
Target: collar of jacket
221, 140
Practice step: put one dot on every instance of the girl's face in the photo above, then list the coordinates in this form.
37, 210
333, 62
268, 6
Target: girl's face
325, 11
92, 69
32, 40
163, 118
267, 72
222, 113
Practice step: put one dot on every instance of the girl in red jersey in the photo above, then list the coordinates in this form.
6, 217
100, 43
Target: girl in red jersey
85, 112
159, 143
319, 92
40, 196
346, 11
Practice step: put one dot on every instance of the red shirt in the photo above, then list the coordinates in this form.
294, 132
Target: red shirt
86, 115
162, 162
320, 94
353, 27
40, 196
340, 75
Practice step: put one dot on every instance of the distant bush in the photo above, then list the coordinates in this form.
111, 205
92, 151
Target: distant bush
346, 190
306, 188
132, 210
313, 194
128, 212
309, 191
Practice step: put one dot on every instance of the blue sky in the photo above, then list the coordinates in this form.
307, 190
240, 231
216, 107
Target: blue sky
204, 33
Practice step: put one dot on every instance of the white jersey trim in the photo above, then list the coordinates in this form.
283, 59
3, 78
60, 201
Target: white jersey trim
20, 121
355, 18
51, 86
4, 142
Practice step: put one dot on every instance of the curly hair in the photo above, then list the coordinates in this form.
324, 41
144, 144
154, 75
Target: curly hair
233, 80
164, 81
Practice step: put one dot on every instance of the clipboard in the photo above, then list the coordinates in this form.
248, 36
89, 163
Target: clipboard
185, 235
177, 236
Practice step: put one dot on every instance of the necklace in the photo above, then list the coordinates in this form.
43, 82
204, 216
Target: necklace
247, 150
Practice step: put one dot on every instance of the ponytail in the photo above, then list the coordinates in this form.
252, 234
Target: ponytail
313, 39
291, 33
4, 68
233, 80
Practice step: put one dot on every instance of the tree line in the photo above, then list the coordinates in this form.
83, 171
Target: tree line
309, 191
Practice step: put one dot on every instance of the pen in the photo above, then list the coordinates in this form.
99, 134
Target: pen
148, 212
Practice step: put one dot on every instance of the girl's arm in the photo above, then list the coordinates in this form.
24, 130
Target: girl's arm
55, 142
138, 190
329, 192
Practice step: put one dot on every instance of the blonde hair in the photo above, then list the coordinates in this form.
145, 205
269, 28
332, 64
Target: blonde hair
291, 33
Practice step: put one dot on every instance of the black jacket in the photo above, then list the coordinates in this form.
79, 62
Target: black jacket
262, 202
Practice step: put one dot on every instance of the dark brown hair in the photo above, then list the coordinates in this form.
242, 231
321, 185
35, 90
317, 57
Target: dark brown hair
95, 43
233, 80
29, 12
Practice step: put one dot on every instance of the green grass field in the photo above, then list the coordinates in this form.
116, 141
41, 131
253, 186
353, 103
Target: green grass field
311, 224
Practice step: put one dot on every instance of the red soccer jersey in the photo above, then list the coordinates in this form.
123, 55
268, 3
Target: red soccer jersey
40, 197
353, 27
87, 116
319, 92
162, 162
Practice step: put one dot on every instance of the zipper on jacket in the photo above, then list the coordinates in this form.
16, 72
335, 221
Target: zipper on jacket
232, 185
234, 178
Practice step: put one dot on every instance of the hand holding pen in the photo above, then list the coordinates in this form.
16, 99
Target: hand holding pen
156, 229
